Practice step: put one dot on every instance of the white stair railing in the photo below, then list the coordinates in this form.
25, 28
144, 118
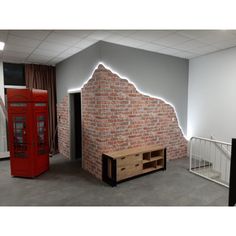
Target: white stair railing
210, 159
227, 152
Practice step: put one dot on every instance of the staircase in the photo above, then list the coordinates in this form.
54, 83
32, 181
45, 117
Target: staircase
209, 172
210, 159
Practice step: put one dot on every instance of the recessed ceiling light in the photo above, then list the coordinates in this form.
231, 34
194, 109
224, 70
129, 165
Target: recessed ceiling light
2, 44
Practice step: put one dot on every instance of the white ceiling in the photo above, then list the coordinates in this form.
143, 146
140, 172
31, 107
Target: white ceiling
52, 46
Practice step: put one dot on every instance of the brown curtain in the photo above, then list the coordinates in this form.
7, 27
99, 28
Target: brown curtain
44, 77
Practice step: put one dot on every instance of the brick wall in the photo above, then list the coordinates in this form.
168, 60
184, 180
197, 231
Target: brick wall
116, 116
63, 127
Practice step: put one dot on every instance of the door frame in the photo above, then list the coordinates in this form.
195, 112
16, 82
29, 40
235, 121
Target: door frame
72, 121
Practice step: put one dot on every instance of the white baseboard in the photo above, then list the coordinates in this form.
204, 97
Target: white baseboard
4, 154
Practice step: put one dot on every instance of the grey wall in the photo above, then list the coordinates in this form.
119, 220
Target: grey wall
212, 96
156, 74
74, 71
153, 73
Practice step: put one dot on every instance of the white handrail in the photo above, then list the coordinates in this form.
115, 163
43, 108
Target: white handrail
226, 152
211, 140
210, 161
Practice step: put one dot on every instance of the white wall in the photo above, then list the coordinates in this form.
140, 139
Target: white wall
212, 95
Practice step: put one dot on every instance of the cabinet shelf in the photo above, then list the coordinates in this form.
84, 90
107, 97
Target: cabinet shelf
153, 159
146, 170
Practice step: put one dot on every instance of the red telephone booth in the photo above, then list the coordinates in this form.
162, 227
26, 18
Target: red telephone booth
28, 131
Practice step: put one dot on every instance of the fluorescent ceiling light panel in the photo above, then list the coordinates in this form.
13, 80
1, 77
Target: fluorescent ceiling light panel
2, 44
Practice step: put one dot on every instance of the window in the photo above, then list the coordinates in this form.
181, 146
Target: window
14, 74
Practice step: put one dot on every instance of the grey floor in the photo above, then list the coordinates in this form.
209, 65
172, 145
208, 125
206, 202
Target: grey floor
66, 184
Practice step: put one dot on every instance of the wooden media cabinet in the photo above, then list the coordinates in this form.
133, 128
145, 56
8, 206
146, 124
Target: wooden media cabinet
126, 164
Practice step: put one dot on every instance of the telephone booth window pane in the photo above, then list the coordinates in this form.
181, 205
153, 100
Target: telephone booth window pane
19, 136
41, 130
18, 104
40, 104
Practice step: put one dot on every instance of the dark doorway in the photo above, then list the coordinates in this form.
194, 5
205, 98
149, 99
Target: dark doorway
77, 126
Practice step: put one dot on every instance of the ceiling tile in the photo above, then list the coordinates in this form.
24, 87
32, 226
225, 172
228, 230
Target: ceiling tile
225, 44
168, 51
22, 41
150, 35
60, 38
124, 33
194, 34
186, 55
15, 54
99, 34
35, 57
18, 48
172, 39
53, 47
217, 36
232, 31
75, 33
114, 38
32, 34
151, 47
86, 43
44, 52
130, 42
12, 59
69, 52
3, 35
203, 50
190, 45
56, 60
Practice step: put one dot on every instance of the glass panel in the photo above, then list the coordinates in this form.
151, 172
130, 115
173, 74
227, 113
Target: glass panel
41, 123
19, 136
41, 118
19, 118
40, 104
19, 126
18, 104
41, 130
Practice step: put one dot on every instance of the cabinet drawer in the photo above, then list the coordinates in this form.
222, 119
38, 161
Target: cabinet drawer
129, 171
127, 160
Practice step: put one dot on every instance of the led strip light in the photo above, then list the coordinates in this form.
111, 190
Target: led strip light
75, 90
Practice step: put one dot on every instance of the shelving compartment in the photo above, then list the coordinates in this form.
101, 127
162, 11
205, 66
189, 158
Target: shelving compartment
157, 153
153, 160
160, 163
149, 166
146, 156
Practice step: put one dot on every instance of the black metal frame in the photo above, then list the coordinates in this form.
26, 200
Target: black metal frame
112, 181
232, 178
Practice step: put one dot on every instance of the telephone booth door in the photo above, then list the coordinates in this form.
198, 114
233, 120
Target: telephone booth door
41, 146
20, 138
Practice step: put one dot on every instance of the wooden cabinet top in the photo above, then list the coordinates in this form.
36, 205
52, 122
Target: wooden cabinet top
133, 151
